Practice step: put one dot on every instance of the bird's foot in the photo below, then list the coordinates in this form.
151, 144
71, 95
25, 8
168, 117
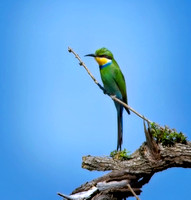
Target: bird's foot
113, 96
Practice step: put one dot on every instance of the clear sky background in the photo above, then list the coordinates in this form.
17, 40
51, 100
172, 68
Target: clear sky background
52, 113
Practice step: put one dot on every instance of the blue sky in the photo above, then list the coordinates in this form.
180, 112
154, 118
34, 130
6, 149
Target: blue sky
52, 113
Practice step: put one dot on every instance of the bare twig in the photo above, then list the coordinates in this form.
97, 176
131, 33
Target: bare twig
151, 143
83, 64
130, 188
65, 196
102, 88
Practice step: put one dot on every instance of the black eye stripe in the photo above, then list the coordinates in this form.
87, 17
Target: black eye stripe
105, 56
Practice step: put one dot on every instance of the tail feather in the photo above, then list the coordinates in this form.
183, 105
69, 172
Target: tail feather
120, 127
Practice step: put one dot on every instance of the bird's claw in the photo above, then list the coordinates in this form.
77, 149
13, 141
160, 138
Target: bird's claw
112, 96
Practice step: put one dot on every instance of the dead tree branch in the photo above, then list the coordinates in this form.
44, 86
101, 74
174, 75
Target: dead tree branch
142, 161
136, 172
128, 176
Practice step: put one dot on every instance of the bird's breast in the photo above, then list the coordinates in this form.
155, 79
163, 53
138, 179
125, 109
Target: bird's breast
108, 79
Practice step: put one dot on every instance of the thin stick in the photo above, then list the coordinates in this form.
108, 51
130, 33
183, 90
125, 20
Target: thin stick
105, 92
65, 196
130, 188
127, 106
83, 64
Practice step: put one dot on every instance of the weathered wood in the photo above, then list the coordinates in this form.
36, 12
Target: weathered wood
136, 171
142, 162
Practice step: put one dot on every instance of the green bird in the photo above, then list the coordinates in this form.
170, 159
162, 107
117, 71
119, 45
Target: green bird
114, 83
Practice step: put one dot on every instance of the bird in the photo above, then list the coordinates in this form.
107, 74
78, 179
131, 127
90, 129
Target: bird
114, 84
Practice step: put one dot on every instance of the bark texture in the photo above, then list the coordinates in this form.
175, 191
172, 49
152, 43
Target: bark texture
130, 174
142, 161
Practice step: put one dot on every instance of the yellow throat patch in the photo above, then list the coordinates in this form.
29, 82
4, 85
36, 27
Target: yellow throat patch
102, 61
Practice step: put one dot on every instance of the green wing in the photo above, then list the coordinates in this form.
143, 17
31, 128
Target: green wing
120, 81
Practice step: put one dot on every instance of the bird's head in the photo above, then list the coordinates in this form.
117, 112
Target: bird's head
102, 56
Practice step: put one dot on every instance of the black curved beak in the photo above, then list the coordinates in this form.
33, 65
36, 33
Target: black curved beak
92, 55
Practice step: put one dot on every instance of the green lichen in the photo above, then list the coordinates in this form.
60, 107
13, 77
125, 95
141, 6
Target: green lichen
120, 155
167, 136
